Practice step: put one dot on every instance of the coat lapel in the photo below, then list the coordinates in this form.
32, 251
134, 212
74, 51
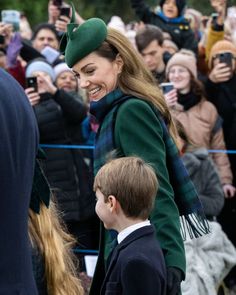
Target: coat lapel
146, 230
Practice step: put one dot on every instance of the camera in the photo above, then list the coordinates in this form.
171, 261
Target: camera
167, 87
31, 82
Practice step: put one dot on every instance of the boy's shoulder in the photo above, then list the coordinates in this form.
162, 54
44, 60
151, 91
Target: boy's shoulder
142, 242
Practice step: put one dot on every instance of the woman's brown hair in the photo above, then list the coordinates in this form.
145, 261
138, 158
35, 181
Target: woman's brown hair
135, 78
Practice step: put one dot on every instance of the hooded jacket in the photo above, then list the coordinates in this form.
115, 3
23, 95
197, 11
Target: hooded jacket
18, 149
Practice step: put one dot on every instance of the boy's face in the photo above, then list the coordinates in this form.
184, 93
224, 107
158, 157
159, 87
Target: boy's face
170, 9
104, 210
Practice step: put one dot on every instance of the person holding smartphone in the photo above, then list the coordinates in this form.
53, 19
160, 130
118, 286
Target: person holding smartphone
59, 116
189, 106
221, 89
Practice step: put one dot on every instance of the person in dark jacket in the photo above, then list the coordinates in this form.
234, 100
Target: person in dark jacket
204, 273
170, 19
18, 149
221, 89
59, 115
125, 205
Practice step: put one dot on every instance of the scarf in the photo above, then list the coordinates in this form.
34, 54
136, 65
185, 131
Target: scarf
186, 198
176, 20
188, 100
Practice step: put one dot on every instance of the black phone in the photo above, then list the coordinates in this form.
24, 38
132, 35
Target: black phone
65, 11
225, 57
32, 82
167, 87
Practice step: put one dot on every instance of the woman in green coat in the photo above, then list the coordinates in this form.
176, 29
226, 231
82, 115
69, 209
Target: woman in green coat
134, 120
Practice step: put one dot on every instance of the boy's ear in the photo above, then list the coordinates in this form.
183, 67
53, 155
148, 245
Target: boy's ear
113, 203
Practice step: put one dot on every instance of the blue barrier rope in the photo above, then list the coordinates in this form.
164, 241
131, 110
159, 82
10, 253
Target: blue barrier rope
67, 146
91, 147
222, 151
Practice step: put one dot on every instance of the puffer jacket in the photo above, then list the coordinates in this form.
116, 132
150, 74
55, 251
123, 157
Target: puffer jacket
204, 175
203, 127
59, 117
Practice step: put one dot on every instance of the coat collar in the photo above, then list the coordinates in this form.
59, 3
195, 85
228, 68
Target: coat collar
135, 235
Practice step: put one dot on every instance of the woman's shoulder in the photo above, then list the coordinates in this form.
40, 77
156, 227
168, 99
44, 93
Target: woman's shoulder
135, 102
207, 109
135, 110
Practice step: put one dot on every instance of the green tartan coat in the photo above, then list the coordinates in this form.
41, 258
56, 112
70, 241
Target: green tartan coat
138, 132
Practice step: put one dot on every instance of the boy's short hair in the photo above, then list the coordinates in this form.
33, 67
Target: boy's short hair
146, 35
133, 183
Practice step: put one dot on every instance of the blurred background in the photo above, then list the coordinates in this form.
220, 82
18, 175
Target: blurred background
36, 11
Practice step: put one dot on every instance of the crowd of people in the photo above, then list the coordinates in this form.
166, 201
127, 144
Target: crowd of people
156, 99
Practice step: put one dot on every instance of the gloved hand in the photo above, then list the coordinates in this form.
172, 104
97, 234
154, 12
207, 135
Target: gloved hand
13, 50
174, 278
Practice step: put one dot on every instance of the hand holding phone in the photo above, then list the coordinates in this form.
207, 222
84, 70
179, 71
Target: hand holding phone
11, 17
170, 94
31, 82
167, 87
65, 11
226, 58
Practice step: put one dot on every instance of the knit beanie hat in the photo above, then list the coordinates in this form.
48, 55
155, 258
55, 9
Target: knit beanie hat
60, 68
179, 3
221, 47
39, 66
117, 23
184, 58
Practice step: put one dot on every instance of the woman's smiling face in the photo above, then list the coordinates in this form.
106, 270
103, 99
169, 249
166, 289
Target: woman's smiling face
181, 78
98, 75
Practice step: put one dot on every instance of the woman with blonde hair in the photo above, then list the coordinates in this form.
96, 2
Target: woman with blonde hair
54, 264
134, 120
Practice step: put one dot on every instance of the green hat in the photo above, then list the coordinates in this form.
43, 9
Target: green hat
83, 39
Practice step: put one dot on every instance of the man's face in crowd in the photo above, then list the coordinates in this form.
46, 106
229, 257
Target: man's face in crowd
153, 55
45, 38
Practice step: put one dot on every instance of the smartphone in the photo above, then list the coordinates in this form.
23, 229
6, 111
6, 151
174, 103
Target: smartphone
167, 87
214, 15
225, 57
57, 3
11, 17
65, 11
32, 82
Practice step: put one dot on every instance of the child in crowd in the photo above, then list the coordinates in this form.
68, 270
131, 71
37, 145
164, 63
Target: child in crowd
125, 190
170, 19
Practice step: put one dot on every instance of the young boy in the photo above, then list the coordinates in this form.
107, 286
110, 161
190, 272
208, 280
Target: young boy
170, 19
125, 190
